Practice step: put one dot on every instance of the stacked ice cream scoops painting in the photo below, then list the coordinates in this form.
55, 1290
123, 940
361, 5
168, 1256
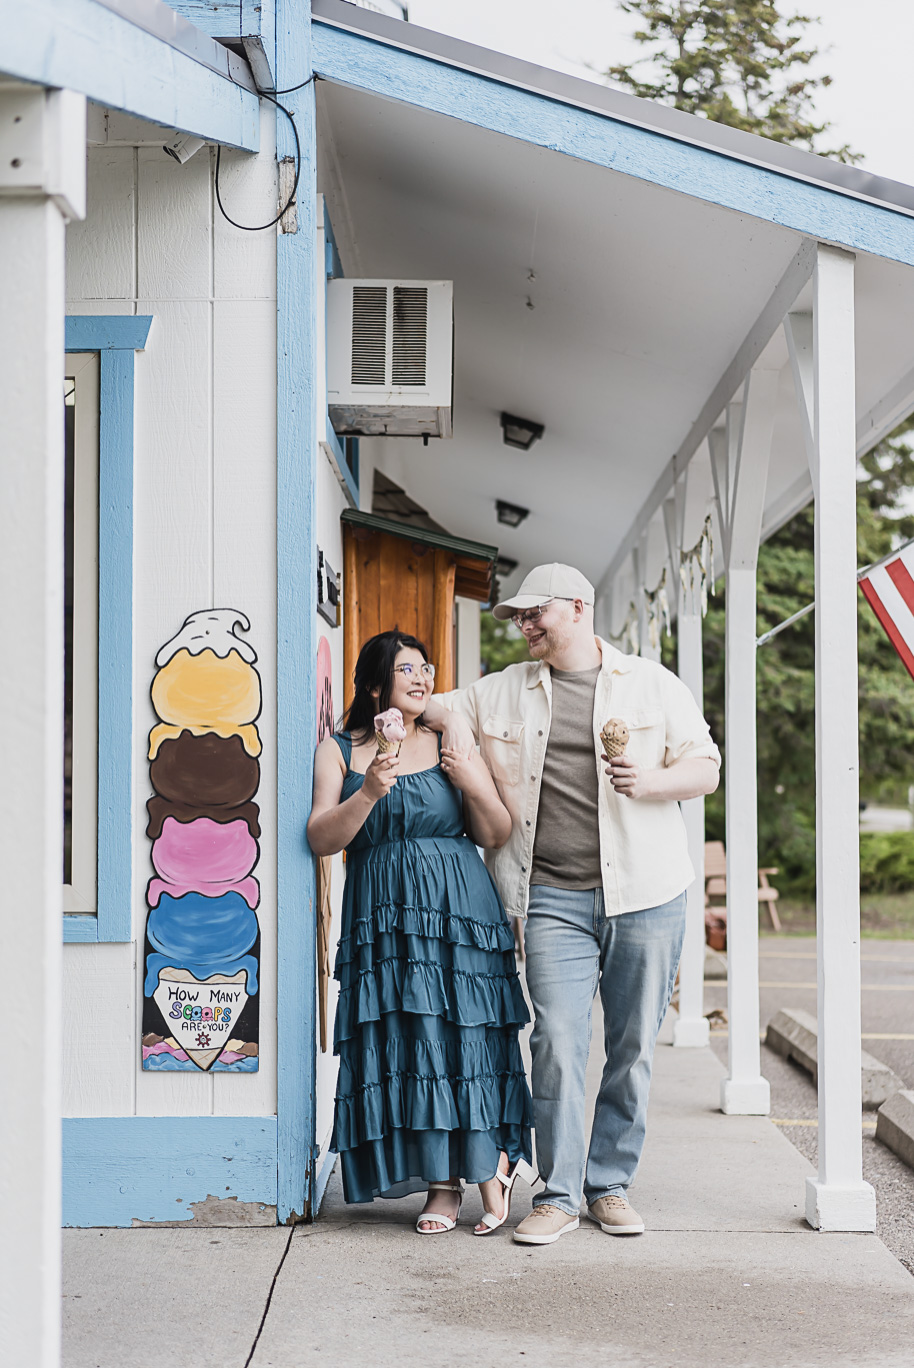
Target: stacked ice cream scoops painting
200, 1007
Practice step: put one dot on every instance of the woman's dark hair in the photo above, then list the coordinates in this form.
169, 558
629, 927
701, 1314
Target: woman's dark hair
375, 670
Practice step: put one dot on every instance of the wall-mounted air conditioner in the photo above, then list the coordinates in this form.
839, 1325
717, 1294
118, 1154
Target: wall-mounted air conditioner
390, 355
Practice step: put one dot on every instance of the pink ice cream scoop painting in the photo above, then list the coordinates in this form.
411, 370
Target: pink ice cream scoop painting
205, 857
390, 732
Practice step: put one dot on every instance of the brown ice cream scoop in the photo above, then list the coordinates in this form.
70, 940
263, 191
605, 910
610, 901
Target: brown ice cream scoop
160, 808
614, 735
205, 771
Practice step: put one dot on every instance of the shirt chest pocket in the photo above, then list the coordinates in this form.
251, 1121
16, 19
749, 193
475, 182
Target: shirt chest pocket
502, 748
647, 736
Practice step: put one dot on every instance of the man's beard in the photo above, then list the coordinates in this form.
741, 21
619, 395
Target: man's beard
554, 640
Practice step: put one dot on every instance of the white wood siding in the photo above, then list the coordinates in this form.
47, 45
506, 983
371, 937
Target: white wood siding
205, 533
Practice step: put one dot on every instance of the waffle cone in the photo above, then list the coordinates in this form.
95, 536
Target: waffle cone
614, 735
386, 747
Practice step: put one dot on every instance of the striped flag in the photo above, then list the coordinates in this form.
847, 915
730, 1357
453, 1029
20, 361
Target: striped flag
889, 590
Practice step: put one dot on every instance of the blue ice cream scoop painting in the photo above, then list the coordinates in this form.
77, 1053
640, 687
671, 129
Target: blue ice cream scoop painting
202, 980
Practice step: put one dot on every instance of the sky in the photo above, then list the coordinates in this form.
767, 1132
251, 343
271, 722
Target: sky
869, 45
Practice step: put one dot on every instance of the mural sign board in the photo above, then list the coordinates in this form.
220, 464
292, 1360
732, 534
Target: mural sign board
201, 986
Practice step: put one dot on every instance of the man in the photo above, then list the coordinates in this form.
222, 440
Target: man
597, 861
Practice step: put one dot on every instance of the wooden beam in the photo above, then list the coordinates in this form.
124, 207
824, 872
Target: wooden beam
798, 331
85, 46
754, 343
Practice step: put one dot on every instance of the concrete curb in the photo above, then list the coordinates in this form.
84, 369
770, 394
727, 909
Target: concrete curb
794, 1034
895, 1125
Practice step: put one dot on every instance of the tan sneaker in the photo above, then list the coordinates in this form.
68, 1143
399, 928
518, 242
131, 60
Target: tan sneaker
614, 1215
544, 1225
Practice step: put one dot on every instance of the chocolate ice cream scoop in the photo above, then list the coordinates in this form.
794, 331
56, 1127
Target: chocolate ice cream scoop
205, 771
160, 808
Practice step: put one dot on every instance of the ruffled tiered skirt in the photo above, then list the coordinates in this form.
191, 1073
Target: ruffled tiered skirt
431, 1080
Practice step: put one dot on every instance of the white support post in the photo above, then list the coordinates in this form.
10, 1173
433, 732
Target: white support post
691, 1028
838, 1198
42, 180
744, 1092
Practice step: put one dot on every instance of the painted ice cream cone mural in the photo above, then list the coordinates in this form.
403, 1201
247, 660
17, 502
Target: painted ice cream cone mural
200, 1009
389, 731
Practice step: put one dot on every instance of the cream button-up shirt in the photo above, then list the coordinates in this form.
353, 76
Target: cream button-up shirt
643, 849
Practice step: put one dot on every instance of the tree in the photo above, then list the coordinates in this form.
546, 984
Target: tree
501, 644
736, 62
786, 679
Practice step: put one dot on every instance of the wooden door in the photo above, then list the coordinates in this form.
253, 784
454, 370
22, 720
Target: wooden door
391, 581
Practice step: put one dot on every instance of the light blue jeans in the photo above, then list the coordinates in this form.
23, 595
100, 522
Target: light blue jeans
572, 950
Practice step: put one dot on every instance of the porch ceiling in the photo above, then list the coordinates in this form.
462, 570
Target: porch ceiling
640, 297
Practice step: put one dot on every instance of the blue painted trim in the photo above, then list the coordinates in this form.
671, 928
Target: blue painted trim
84, 46
79, 927
410, 78
336, 447
114, 337
323, 1178
107, 332
115, 647
296, 609
117, 1169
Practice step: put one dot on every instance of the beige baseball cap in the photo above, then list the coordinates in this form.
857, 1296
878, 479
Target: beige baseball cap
546, 582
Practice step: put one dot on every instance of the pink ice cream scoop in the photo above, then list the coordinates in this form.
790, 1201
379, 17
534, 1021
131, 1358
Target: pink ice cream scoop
389, 730
205, 857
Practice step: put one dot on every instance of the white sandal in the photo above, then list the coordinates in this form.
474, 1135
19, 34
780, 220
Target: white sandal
439, 1219
520, 1170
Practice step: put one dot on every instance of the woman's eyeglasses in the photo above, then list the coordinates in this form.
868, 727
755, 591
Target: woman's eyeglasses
425, 669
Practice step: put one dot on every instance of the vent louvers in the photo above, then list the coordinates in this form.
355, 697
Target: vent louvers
369, 334
410, 334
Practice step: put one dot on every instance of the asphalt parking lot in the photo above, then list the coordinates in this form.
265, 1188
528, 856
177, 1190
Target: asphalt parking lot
787, 975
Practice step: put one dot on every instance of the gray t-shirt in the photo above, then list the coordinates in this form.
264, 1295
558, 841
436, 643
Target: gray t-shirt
566, 851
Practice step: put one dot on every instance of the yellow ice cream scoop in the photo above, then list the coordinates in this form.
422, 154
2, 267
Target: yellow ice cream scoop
207, 691
614, 735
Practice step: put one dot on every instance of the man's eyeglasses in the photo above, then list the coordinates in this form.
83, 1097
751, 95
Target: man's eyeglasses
534, 614
425, 669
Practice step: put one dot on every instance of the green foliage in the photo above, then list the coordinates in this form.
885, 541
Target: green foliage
886, 861
501, 644
786, 680
736, 62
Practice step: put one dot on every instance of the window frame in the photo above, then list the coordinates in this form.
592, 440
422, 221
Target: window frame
81, 893
115, 338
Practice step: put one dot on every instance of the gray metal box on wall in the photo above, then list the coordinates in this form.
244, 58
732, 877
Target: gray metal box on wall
390, 354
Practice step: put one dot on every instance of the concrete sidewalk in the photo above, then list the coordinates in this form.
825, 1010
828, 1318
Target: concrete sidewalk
728, 1274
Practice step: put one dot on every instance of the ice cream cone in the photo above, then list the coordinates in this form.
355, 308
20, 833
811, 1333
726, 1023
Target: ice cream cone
389, 731
614, 735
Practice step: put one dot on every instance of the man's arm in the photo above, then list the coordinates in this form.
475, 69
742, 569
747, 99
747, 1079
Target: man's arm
455, 723
691, 777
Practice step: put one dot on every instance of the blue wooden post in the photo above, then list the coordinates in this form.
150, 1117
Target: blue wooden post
296, 637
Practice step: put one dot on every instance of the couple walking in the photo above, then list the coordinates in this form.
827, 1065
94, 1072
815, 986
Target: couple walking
591, 851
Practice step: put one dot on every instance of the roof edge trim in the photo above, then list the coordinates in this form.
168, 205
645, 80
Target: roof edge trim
618, 105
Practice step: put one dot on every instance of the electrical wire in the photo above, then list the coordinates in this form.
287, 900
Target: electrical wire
262, 227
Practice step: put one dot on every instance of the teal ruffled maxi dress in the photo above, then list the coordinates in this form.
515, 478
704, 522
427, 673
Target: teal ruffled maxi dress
431, 1081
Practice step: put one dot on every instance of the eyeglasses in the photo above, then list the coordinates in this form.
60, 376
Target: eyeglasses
425, 669
534, 614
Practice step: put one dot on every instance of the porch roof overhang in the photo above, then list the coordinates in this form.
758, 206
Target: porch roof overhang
618, 269
138, 56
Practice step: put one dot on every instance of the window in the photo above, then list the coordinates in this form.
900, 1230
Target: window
80, 757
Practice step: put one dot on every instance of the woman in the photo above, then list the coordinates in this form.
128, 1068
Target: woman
431, 1086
